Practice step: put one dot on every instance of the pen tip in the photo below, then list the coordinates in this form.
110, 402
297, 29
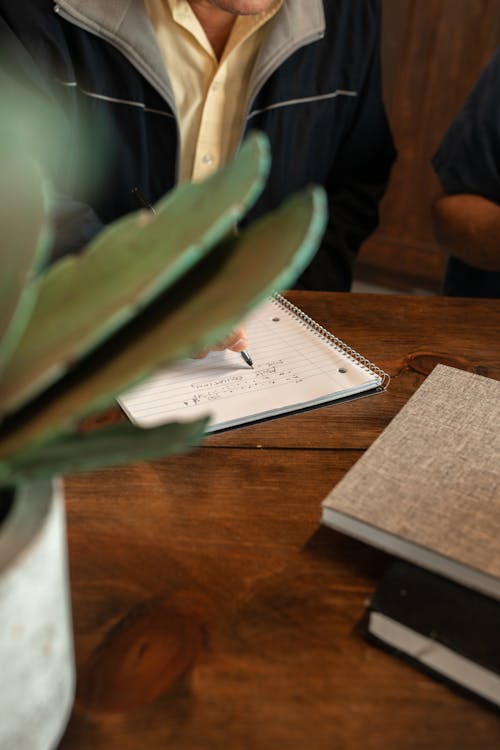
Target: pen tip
247, 358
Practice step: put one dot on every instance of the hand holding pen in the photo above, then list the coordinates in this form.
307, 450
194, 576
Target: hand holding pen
235, 342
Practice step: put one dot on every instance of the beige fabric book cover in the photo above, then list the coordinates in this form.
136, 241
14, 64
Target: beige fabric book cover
428, 488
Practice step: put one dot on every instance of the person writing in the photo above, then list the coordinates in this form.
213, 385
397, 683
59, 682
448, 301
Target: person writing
169, 88
467, 215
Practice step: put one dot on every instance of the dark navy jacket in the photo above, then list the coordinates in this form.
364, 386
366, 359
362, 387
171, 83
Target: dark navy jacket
468, 161
315, 91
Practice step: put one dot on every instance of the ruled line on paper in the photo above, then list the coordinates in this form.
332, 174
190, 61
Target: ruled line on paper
291, 366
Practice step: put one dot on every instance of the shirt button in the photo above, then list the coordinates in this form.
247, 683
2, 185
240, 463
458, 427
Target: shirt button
207, 159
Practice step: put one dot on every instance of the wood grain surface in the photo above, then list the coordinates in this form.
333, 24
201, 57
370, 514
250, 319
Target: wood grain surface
211, 610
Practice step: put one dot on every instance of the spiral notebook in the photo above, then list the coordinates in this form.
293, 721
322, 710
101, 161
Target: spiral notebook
297, 365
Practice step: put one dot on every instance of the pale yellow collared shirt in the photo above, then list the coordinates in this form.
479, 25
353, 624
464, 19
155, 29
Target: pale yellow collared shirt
209, 94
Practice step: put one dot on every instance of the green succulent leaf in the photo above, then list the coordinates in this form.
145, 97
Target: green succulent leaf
25, 239
83, 299
32, 124
108, 446
198, 310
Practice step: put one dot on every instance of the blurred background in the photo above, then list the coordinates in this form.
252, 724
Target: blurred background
432, 53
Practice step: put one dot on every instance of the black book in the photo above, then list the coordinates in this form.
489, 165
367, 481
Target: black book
448, 630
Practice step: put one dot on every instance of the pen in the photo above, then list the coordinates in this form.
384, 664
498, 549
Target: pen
247, 357
142, 200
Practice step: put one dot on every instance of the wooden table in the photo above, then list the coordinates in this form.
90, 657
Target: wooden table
210, 608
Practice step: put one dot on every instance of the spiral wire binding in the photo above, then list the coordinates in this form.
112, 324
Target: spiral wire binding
350, 353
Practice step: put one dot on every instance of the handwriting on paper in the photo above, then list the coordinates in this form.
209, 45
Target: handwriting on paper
293, 366
267, 375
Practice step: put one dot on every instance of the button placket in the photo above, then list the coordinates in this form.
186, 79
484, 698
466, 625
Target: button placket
208, 153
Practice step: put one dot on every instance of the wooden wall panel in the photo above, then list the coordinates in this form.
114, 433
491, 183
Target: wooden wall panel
432, 52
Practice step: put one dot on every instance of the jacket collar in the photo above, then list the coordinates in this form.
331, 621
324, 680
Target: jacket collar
125, 24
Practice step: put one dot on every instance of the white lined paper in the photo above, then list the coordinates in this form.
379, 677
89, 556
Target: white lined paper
294, 368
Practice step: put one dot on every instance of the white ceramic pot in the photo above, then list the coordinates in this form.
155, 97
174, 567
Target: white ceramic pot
37, 674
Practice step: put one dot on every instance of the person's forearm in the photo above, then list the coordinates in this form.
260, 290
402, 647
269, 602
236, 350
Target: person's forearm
468, 227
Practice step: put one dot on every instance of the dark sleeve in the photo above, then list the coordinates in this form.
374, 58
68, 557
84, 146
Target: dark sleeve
357, 183
74, 225
74, 222
468, 159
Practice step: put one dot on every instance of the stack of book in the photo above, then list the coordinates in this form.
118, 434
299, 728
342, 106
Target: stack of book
428, 492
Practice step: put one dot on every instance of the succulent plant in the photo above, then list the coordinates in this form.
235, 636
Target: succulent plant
151, 289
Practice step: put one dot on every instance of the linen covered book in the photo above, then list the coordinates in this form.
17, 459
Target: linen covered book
428, 488
297, 365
